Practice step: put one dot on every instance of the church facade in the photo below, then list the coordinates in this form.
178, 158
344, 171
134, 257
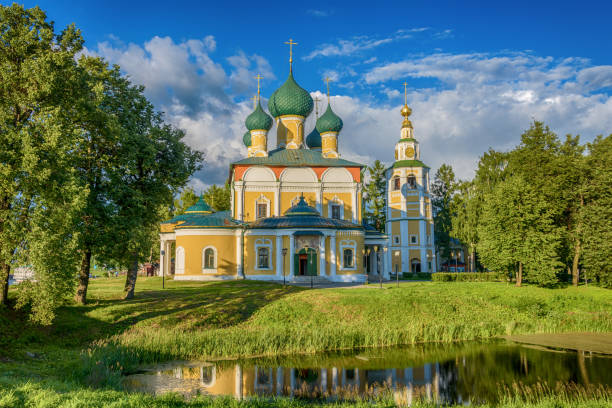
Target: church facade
297, 207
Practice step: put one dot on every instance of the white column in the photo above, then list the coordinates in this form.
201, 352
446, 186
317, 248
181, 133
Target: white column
323, 380
334, 378
374, 262
291, 254
239, 249
383, 261
279, 381
332, 256
322, 256
319, 198
277, 197
354, 202
162, 247
168, 257
279, 257
239, 205
238, 382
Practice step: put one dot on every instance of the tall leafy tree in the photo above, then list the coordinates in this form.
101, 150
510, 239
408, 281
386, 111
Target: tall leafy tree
218, 197
186, 199
442, 190
375, 196
40, 94
517, 231
596, 214
466, 208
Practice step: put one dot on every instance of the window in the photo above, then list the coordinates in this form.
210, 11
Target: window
413, 239
412, 184
347, 256
262, 210
209, 258
335, 212
396, 239
396, 183
263, 258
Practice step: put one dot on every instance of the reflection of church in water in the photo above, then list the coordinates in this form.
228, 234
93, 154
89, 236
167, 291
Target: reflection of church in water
427, 382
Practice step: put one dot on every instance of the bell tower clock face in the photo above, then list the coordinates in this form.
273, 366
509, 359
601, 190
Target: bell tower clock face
410, 153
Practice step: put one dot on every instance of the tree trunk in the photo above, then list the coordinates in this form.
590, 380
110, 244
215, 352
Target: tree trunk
130, 280
5, 270
519, 275
81, 294
473, 259
575, 270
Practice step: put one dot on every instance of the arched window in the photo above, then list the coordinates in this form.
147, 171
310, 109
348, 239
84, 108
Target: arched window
348, 258
396, 183
209, 258
263, 257
412, 184
415, 265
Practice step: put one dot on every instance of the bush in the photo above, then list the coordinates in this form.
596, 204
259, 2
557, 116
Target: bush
417, 276
468, 277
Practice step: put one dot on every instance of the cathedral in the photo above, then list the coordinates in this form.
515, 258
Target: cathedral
297, 207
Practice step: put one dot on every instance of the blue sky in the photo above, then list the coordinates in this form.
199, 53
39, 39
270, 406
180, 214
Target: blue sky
478, 72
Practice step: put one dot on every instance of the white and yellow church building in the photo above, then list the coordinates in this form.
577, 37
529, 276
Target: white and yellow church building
297, 207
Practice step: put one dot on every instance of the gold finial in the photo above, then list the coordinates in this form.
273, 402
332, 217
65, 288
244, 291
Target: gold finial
254, 99
258, 77
327, 80
291, 44
406, 111
316, 101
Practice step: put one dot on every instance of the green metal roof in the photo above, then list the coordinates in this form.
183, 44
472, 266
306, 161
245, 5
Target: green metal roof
408, 139
290, 99
329, 121
409, 163
313, 140
221, 219
297, 158
258, 120
199, 207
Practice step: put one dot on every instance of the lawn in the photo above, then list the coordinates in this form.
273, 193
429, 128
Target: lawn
96, 343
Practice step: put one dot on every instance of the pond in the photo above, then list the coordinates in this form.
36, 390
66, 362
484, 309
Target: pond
458, 373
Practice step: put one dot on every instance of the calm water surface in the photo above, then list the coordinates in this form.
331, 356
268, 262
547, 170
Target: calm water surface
460, 373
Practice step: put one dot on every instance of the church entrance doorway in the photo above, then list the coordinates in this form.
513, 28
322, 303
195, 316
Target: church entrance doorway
306, 262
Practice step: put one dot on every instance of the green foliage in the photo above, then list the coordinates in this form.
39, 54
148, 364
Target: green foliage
596, 214
375, 199
469, 277
442, 191
517, 228
187, 198
40, 92
218, 197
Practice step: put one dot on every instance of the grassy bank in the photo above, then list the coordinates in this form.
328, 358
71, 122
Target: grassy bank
196, 320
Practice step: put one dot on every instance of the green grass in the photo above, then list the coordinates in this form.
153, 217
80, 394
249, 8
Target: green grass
197, 320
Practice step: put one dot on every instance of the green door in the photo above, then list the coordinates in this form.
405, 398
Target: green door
311, 262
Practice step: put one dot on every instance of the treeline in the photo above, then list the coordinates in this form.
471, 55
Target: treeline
87, 166
542, 211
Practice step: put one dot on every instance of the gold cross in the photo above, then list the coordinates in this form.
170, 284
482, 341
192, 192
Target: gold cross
405, 93
291, 44
327, 79
316, 101
254, 98
258, 77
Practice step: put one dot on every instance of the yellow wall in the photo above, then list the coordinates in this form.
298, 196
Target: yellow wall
327, 256
395, 229
345, 198
359, 251
396, 260
413, 227
195, 244
249, 203
250, 256
396, 213
414, 253
291, 130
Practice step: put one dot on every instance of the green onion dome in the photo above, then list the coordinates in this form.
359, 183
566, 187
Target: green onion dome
302, 209
200, 207
313, 140
329, 122
246, 138
290, 99
258, 120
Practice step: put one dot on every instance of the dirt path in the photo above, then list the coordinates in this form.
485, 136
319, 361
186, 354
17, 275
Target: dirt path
594, 342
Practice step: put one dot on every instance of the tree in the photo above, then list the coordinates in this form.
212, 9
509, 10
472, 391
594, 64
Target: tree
466, 209
40, 93
517, 230
375, 196
187, 198
442, 190
218, 197
596, 214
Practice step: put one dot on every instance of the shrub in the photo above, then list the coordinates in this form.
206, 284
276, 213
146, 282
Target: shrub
468, 277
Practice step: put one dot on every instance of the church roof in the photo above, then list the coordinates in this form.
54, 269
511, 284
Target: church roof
302, 215
221, 219
290, 99
258, 120
329, 121
297, 157
409, 163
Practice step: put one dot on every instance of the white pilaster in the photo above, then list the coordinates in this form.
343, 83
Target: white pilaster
332, 256
239, 204
319, 198
322, 271
423, 243
279, 257
277, 197
354, 202
291, 254
238, 382
239, 249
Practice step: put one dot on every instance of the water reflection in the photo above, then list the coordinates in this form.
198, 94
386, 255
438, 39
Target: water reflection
457, 374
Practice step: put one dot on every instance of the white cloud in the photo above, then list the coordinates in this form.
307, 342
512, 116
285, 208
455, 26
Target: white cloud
319, 13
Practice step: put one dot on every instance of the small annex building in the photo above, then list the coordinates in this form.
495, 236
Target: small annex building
297, 209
